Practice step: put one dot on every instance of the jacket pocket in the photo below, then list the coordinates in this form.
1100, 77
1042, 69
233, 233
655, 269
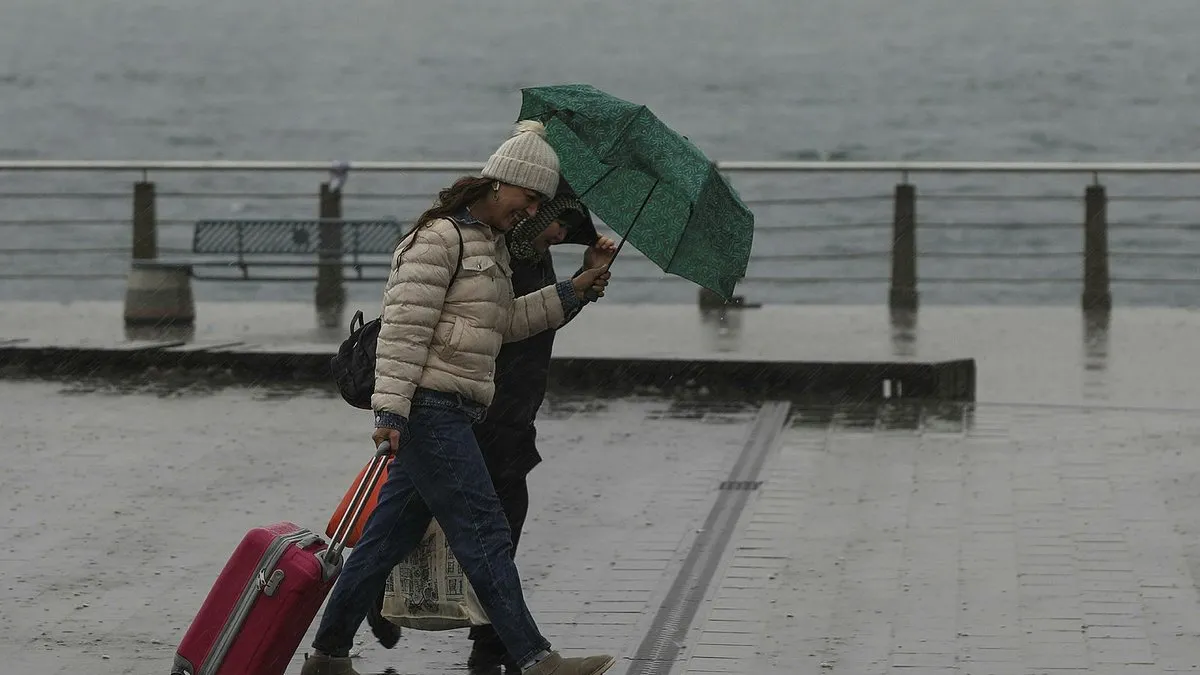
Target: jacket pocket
478, 264
450, 337
456, 335
444, 337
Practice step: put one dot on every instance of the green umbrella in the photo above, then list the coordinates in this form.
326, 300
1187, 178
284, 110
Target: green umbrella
648, 183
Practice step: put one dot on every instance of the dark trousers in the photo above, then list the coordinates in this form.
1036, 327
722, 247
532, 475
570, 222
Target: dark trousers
513, 491
439, 472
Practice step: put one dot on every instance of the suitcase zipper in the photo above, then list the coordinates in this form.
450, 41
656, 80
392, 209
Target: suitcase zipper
257, 583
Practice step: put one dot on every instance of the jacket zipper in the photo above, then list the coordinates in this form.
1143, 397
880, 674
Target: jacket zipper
241, 610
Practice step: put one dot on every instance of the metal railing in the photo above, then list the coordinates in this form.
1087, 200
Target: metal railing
819, 224
893, 167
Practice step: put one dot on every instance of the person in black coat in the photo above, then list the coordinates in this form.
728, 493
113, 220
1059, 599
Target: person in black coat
507, 437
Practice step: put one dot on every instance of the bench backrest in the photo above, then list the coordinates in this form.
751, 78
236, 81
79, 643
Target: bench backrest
293, 237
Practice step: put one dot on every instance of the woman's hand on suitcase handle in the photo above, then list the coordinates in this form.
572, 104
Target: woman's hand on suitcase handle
386, 440
389, 429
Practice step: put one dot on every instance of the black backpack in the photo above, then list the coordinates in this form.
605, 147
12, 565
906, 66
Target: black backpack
354, 364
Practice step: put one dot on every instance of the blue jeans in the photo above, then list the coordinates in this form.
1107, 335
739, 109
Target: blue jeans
438, 472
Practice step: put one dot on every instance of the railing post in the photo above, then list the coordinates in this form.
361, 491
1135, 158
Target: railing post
158, 294
1096, 295
145, 229
330, 292
710, 300
903, 292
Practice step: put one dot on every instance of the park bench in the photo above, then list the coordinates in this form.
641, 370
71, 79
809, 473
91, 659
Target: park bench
275, 245
160, 289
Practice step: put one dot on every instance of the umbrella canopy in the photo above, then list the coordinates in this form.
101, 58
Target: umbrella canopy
648, 183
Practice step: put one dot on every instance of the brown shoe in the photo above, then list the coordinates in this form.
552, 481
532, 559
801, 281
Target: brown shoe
557, 665
323, 664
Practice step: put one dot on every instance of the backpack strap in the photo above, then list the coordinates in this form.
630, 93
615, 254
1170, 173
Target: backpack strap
454, 275
458, 229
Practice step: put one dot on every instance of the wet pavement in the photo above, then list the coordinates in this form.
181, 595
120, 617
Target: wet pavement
118, 515
909, 539
1051, 528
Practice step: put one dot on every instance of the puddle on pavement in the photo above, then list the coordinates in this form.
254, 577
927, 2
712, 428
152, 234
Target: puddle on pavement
925, 417
167, 385
708, 411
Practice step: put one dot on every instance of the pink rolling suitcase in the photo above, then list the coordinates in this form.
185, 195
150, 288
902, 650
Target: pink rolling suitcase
266, 597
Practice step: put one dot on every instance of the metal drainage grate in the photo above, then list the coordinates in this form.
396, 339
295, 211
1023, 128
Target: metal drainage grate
659, 650
740, 484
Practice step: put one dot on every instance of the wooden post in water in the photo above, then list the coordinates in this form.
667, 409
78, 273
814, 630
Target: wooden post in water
331, 292
145, 229
903, 292
1096, 294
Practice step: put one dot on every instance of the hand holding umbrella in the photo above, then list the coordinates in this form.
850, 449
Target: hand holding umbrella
590, 283
600, 253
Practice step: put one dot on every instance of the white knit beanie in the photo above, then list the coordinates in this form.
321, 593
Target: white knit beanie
525, 160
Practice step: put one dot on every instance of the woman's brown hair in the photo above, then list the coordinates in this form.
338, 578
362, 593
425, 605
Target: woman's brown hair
465, 191
452, 200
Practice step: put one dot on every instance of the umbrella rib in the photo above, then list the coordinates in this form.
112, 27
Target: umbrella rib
679, 241
620, 135
598, 181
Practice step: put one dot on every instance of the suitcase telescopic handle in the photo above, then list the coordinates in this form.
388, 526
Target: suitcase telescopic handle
366, 486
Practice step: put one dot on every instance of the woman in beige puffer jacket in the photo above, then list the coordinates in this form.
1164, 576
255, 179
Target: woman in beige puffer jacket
443, 324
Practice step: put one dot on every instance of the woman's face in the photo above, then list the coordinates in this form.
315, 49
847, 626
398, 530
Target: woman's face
510, 205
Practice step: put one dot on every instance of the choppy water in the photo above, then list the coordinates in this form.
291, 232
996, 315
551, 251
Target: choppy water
764, 79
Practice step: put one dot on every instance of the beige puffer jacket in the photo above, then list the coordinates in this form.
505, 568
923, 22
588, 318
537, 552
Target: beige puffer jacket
448, 341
